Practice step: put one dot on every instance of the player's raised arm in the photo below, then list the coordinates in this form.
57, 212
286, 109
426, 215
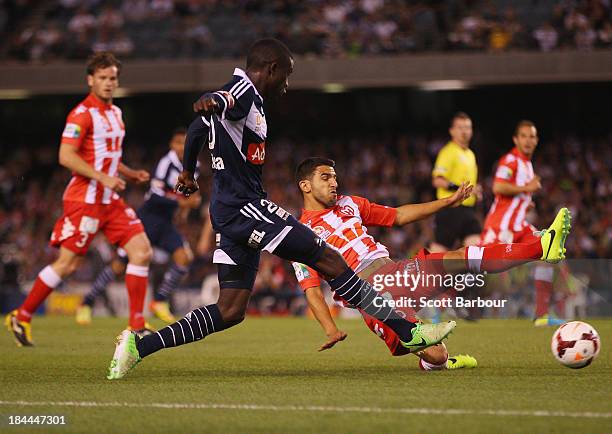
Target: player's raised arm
413, 212
70, 159
321, 312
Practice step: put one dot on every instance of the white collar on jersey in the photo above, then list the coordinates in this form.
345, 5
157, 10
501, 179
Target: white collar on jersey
240, 73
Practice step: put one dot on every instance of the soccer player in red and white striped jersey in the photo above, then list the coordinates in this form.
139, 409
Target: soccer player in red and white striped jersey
342, 222
514, 184
91, 147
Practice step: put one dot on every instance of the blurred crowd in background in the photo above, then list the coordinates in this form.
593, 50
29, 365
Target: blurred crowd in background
388, 170
34, 30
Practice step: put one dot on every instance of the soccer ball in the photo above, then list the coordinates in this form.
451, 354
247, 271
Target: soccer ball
575, 344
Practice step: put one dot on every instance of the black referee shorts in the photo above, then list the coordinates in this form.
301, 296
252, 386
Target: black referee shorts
452, 225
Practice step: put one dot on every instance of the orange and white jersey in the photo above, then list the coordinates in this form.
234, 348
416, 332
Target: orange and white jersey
507, 214
343, 227
96, 129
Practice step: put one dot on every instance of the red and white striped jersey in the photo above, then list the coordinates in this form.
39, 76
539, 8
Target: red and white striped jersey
96, 129
343, 227
508, 212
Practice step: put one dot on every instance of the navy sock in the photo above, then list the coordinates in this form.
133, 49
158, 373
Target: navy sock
105, 277
172, 277
194, 326
361, 294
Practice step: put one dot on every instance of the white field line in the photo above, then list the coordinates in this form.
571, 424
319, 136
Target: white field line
315, 408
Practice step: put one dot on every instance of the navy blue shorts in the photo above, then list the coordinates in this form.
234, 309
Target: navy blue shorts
242, 233
160, 231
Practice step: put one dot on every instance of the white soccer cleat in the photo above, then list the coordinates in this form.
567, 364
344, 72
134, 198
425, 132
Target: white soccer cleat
126, 356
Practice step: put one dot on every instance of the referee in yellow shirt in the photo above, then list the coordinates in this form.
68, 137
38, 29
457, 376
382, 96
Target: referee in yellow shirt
456, 163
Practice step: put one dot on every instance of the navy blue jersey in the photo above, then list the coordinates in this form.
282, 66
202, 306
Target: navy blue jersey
236, 141
161, 199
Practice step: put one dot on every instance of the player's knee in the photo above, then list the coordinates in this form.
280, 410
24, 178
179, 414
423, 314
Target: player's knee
64, 266
436, 355
141, 253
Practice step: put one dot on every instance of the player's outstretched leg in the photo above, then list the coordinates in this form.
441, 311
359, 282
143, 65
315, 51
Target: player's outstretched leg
496, 258
360, 294
196, 325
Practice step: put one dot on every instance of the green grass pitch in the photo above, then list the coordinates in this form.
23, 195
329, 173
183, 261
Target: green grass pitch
266, 376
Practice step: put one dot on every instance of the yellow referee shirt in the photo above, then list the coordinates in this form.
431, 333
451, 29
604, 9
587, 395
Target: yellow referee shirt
457, 165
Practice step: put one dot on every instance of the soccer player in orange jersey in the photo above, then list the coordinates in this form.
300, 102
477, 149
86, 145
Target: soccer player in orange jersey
514, 184
342, 222
91, 147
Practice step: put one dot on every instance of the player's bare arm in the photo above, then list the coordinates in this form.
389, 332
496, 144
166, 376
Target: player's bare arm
509, 189
413, 212
320, 310
137, 176
70, 159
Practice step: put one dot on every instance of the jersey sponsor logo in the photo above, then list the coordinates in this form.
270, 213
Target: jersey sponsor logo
217, 163
67, 229
72, 131
89, 225
255, 238
346, 210
256, 153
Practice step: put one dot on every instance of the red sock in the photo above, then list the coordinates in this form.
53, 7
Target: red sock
501, 257
44, 284
136, 281
543, 289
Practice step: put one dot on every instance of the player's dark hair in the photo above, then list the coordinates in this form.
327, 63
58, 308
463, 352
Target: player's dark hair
268, 50
521, 124
306, 168
101, 60
459, 115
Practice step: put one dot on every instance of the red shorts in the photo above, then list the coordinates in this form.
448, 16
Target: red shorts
419, 264
80, 223
497, 236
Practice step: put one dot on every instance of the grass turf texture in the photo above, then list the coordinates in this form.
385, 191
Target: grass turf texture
273, 362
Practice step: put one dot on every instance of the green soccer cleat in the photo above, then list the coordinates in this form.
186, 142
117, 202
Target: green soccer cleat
426, 335
461, 361
22, 331
553, 238
126, 356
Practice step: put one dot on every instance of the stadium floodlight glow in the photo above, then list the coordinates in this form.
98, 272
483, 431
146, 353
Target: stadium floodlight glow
334, 88
15, 94
435, 85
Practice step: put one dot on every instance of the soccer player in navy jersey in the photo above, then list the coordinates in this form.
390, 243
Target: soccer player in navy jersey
232, 123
